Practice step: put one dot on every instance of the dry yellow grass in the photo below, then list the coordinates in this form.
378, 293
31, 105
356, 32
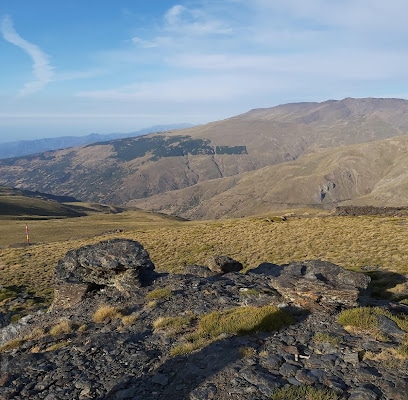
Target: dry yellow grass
129, 319
62, 327
352, 242
104, 312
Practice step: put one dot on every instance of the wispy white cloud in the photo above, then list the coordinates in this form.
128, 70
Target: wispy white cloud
194, 21
206, 59
41, 68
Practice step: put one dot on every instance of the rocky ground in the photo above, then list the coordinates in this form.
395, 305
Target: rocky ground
120, 358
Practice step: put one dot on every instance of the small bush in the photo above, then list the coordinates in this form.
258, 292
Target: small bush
303, 392
104, 312
159, 294
152, 304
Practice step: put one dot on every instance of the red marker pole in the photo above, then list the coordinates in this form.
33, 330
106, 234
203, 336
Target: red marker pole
27, 235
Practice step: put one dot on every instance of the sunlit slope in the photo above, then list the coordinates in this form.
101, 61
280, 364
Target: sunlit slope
283, 140
374, 173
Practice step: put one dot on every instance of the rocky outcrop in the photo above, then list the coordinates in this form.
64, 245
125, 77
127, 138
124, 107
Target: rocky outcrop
316, 283
118, 359
119, 263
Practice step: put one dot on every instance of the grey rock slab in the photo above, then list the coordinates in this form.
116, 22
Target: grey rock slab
363, 393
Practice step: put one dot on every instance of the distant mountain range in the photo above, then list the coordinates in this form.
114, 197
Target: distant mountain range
339, 152
27, 147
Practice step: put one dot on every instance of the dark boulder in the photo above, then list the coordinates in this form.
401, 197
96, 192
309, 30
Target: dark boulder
119, 263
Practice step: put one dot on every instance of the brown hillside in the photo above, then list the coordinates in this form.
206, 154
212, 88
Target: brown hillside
374, 173
263, 159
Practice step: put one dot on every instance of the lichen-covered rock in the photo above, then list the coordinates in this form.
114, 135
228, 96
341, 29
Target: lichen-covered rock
224, 264
120, 263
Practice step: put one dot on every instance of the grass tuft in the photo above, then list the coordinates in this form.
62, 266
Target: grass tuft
159, 294
129, 319
57, 346
12, 344
105, 312
320, 337
247, 352
61, 328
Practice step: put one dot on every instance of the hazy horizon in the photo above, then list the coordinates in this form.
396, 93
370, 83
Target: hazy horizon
73, 68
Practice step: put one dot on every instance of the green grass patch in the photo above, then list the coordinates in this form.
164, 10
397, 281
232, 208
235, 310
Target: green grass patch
159, 294
366, 319
7, 293
353, 242
244, 320
321, 337
174, 324
303, 392
236, 321
250, 292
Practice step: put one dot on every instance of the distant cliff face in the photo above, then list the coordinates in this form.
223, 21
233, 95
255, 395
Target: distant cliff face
351, 151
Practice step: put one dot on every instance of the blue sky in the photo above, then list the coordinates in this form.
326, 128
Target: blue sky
81, 66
